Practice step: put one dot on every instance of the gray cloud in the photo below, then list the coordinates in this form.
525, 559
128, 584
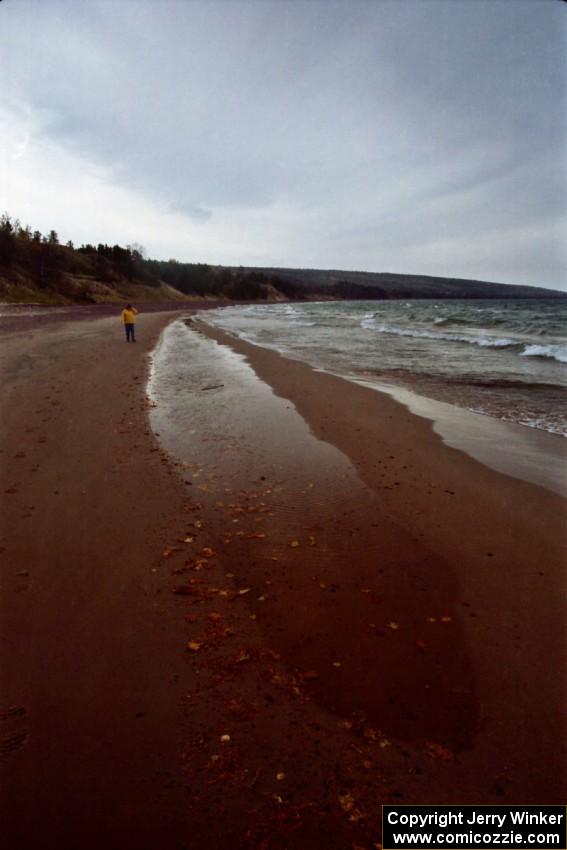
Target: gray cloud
351, 134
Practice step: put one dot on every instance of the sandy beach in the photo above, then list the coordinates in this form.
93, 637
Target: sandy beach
253, 635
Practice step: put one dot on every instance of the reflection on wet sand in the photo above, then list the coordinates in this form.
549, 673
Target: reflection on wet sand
397, 577
357, 599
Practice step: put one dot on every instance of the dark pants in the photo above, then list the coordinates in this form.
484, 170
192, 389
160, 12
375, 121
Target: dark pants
130, 333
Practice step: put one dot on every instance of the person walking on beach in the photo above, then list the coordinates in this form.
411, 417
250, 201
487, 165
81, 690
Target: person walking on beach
129, 321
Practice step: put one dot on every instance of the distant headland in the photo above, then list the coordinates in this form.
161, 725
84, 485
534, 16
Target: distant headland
38, 268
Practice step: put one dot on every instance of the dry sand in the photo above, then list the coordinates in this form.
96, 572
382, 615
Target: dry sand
410, 648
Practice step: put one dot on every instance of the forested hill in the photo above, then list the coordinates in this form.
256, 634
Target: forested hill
37, 268
382, 285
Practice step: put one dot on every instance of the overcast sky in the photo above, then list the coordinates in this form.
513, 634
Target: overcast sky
419, 136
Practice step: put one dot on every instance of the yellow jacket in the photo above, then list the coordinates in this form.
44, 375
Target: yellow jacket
129, 316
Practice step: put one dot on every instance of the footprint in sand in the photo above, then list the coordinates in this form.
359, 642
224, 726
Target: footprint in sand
16, 739
14, 743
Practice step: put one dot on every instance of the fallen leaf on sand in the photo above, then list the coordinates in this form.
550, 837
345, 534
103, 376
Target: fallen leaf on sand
243, 655
436, 751
310, 674
194, 646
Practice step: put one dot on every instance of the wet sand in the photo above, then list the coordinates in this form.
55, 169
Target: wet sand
86, 502
321, 609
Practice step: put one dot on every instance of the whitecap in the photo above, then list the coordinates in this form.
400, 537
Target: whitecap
482, 341
549, 352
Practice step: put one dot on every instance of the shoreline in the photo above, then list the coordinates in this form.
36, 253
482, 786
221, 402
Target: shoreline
523, 452
490, 367
25, 317
427, 420
503, 536
169, 657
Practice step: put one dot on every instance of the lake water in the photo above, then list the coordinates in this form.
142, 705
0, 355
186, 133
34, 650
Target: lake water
506, 359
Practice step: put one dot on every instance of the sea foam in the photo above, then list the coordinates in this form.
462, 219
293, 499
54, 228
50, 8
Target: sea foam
550, 352
368, 323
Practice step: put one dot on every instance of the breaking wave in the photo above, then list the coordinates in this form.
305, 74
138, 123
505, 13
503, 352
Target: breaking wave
548, 352
368, 323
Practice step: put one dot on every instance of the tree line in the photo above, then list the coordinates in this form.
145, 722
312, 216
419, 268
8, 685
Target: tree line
48, 264
29, 257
